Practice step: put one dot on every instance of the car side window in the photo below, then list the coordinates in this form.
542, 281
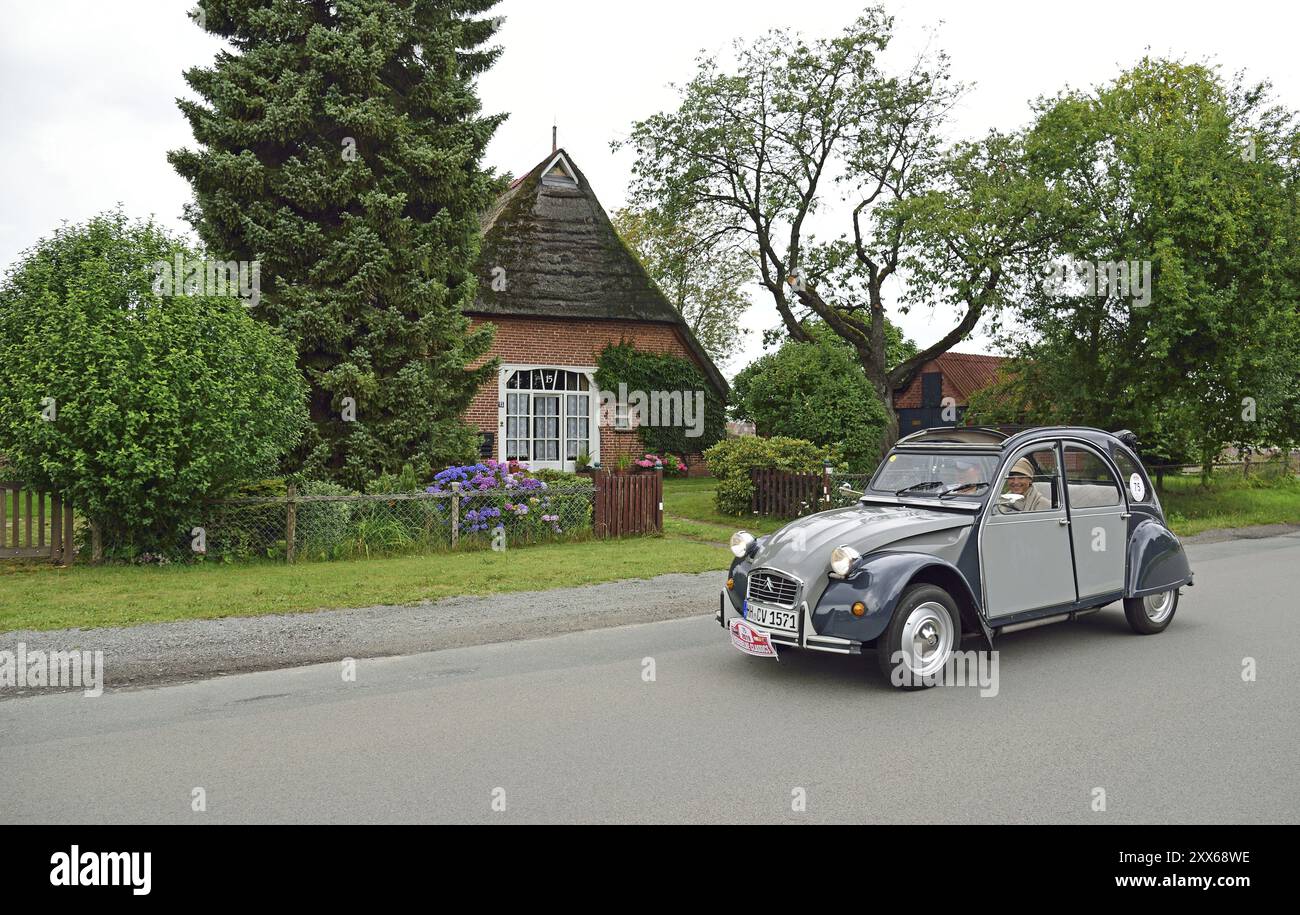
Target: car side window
1031, 482
1089, 480
1131, 476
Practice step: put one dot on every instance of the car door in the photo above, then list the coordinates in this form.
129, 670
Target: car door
1098, 521
1025, 554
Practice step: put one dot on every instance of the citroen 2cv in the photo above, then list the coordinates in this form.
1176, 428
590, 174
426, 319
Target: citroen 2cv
962, 531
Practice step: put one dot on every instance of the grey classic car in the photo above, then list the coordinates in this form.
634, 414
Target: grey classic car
962, 531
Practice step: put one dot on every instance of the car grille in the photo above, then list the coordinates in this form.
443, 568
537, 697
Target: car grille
773, 588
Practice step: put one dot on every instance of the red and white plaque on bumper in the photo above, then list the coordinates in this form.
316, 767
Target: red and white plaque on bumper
750, 640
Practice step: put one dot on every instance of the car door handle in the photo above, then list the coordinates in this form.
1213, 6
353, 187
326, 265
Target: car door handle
1064, 522
1126, 516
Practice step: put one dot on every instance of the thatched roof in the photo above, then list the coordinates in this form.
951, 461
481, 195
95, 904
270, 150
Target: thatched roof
562, 258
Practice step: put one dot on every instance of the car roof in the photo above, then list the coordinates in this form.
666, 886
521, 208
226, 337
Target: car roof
1002, 438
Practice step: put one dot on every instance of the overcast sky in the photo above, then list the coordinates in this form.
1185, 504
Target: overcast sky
87, 87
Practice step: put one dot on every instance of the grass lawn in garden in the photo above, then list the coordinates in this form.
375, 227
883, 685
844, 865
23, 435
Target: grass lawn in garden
41, 596
688, 505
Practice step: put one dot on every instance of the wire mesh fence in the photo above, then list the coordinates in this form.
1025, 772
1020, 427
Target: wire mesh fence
315, 525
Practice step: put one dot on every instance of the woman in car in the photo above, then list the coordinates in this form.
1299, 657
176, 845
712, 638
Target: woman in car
1020, 481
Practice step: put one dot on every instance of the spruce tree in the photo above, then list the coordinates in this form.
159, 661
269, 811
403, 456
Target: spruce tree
340, 147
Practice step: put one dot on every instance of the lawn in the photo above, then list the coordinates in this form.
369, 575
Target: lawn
41, 596
1230, 501
691, 501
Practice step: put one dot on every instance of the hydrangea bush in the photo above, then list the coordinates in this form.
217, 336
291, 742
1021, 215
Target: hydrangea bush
503, 495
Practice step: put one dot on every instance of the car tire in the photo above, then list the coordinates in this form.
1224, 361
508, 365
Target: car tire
1153, 613
919, 622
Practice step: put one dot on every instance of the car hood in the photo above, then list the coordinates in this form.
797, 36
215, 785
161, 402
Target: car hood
803, 547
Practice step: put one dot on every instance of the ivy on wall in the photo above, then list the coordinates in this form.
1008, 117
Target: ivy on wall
661, 376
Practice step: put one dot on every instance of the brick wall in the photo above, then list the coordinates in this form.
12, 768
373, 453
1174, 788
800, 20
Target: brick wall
560, 342
910, 396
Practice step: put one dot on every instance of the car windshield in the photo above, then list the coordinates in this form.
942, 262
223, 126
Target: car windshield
936, 474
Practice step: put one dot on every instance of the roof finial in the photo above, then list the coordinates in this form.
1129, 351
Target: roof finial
555, 131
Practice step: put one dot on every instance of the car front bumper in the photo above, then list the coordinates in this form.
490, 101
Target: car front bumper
806, 637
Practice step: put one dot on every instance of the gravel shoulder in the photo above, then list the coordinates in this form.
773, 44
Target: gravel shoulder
157, 653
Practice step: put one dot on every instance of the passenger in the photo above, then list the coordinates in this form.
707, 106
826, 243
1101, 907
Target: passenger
1020, 481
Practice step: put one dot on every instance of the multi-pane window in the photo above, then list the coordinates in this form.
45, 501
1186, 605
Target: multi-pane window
548, 415
577, 425
547, 380
518, 439
546, 427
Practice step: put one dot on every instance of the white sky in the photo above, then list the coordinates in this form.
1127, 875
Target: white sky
87, 87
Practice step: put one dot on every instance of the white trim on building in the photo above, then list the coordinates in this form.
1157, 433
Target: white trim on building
547, 417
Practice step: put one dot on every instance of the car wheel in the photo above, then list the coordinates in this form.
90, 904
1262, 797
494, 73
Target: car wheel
1153, 613
926, 628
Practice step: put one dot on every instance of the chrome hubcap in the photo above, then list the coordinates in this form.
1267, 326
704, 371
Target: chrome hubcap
1158, 606
928, 639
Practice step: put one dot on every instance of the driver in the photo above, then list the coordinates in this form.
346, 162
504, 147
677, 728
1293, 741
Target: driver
1021, 482
968, 478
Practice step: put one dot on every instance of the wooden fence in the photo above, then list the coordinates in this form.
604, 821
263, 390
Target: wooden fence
786, 494
628, 503
34, 524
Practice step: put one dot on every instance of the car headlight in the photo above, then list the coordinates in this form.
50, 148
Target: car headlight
741, 543
842, 559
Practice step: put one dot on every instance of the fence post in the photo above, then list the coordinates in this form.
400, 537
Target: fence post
659, 499
96, 543
290, 522
56, 526
455, 513
69, 543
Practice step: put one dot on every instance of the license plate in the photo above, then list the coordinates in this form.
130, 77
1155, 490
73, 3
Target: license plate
773, 618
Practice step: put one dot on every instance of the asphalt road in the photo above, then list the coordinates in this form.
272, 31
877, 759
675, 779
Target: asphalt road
569, 729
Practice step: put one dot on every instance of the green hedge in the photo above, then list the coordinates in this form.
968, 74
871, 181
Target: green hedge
731, 460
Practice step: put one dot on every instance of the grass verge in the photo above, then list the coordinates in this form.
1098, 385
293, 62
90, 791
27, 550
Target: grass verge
1229, 501
41, 596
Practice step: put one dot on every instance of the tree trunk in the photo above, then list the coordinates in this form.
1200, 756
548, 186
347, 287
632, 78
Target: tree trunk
889, 434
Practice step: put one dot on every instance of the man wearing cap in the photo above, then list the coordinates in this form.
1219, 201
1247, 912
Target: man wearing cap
968, 478
1020, 481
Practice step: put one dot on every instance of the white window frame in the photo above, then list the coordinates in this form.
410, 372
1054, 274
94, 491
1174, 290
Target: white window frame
593, 410
562, 161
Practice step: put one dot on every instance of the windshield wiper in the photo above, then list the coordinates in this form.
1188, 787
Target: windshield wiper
956, 489
927, 484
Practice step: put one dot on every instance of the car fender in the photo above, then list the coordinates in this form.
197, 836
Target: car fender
1156, 561
879, 580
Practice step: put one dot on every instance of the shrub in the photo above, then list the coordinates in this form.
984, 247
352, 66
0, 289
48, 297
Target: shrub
814, 391
501, 496
137, 407
731, 460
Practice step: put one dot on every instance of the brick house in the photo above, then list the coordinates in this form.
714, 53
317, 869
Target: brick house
560, 286
920, 405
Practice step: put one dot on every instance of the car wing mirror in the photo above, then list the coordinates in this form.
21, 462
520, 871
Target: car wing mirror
1010, 499
847, 490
